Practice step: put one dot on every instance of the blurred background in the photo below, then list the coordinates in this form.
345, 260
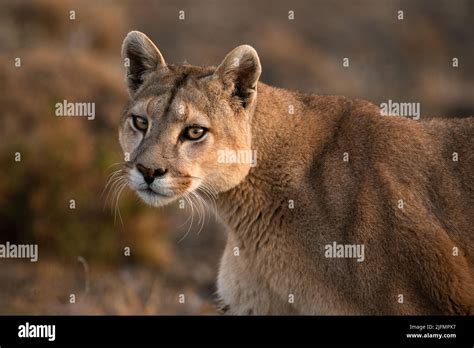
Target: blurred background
82, 250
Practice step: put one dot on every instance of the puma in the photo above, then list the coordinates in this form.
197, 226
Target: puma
328, 171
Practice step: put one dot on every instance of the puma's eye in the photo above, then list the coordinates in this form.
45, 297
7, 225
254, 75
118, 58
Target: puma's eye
194, 133
140, 123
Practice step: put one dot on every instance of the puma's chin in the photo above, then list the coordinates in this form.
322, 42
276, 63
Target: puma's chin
154, 198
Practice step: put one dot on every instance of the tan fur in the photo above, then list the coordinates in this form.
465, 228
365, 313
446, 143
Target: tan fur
408, 251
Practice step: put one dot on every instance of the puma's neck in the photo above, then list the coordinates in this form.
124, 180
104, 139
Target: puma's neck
289, 129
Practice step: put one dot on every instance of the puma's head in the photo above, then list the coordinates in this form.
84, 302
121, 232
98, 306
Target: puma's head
180, 117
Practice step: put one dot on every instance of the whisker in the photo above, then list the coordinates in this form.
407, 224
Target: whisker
210, 193
184, 223
113, 179
201, 205
115, 164
188, 200
198, 206
112, 185
113, 191
110, 179
117, 207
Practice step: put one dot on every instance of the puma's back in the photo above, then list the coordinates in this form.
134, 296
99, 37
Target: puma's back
342, 211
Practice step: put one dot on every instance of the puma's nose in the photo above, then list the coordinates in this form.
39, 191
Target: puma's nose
150, 174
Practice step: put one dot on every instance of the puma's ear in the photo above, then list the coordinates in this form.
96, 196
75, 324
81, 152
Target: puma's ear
239, 71
141, 57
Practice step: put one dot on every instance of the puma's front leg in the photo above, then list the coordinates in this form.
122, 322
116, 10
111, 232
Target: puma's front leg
240, 288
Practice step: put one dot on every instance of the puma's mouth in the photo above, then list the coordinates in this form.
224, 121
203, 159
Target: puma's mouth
150, 196
150, 191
